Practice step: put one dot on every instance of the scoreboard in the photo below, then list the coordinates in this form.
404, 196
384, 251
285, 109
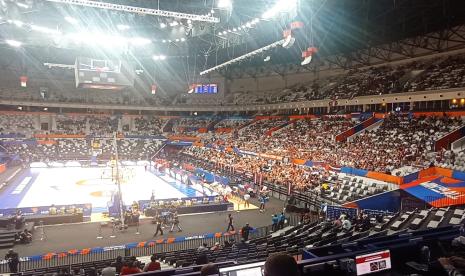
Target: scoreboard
103, 73
204, 89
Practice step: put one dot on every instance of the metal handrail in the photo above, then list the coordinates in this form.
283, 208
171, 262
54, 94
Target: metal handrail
27, 264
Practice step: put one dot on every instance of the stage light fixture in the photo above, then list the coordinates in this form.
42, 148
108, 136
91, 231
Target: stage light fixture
164, 41
234, 30
174, 23
177, 39
162, 25
183, 39
13, 43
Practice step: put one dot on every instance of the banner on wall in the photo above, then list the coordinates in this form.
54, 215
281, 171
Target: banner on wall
334, 212
43, 210
438, 191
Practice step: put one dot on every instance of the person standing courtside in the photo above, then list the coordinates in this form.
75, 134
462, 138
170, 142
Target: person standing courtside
175, 222
246, 232
246, 200
13, 260
159, 229
230, 223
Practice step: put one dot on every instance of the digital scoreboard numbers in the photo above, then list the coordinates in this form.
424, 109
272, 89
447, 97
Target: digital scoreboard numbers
204, 89
103, 74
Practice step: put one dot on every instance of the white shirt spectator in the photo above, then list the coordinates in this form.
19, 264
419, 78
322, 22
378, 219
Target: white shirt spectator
346, 224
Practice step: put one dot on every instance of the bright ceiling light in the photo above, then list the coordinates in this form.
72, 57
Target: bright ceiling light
22, 5
279, 7
99, 39
164, 41
16, 22
140, 41
162, 25
71, 20
122, 27
234, 30
224, 4
160, 57
183, 39
13, 43
174, 23
212, 11
45, 30
177, 39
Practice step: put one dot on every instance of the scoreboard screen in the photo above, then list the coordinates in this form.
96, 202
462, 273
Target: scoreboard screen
205, 89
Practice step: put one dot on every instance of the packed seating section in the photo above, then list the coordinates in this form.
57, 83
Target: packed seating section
400, 140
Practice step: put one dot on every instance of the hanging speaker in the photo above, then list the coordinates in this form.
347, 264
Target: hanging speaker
306, 61
289, 42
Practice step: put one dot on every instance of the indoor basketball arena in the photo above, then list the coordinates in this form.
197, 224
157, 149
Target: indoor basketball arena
232, 137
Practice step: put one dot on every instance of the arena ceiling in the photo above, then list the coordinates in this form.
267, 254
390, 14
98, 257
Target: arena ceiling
333, 26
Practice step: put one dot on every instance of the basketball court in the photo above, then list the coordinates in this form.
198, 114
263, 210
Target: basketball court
65, 186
